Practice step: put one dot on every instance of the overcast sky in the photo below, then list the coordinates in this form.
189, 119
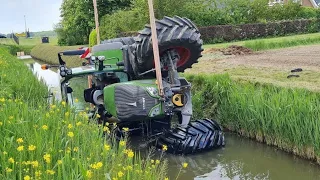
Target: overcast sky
40, 15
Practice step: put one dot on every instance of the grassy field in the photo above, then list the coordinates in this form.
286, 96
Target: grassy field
286, 118
29, 42
41, 141
273, 43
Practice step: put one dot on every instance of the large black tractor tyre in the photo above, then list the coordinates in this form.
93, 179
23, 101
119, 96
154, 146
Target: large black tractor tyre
123, 40
200, 135
173, 33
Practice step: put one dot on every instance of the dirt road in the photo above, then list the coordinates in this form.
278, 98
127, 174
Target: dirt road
271, 66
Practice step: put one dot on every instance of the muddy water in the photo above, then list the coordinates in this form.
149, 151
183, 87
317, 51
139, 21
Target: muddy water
240, 159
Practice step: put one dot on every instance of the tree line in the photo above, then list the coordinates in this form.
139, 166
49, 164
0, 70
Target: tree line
131, 15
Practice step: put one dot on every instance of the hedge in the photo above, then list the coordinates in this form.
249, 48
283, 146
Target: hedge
227, 33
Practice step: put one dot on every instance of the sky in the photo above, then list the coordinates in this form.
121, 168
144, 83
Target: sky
41, 15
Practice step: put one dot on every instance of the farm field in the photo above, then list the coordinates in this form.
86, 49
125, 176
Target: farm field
271, 66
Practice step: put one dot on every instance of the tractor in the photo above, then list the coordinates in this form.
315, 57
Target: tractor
124, 89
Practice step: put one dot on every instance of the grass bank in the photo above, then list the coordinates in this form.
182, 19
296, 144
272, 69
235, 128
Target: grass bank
273, 43
39, 141
283, 117
49, 54
53, 40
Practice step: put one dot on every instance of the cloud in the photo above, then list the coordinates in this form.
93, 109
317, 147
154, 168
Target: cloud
40, 15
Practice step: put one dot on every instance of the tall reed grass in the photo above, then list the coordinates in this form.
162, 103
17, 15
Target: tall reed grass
41, 141
287, 118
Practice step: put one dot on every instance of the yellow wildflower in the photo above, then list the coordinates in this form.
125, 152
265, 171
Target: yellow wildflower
20, 148
11, 160
47, 115
107, 147
185, 165
32, 148
51, 172
157, 161
63, 103
70, 134
79, 123
166, 178
75, 149
38, 173
122, 143
2, 100
45, 127
35, 164
8, 170
70, 126
130, 153
53, 106
5, 153
26, 177
1, 123
47, 158
129, 168
76, 100
66, 114
89, 174
10, 117
120, 174
98, 115
164, 147
152, 161
59, 162
125, 129
105, 128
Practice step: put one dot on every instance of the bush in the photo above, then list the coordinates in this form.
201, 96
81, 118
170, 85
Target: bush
93, 38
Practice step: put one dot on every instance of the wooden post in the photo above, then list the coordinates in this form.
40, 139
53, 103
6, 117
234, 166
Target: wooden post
96, 18
155, 48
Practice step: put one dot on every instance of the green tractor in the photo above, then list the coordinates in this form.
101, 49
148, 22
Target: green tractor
124, 88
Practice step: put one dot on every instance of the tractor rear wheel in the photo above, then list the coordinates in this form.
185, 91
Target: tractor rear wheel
173, 33
200, 135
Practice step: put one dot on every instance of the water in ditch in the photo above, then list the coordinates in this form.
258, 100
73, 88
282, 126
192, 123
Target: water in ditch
239, 159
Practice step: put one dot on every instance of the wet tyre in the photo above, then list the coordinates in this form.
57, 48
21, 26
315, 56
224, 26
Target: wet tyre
123, 40
173, 33
200, 135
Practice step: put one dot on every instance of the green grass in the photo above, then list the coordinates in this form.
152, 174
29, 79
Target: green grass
53, 40
284, 117
49, 54
53, 142
273, 43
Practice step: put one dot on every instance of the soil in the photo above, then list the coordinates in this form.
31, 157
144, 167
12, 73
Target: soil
231, 50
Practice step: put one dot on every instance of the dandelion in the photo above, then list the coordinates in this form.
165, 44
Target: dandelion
66, 114
120, 174
35, 164
1, 123
20, 148
53, 106
70, 126
76, 100
26, 178
45, 127
2, 100
8, 170
63, 103
70, 134
51, 172
32, 148
89, 174
185, 165
130, 153
98, 115
164, 147
125, 129
122, 143
59, 162
157, 161
107, 147
166, 178
47, 158
11, 160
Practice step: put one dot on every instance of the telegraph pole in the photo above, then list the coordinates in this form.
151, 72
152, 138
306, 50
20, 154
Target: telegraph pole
96, 17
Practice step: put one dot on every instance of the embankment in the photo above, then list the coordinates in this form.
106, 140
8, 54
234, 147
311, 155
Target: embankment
283, 117
39, 141
49, 54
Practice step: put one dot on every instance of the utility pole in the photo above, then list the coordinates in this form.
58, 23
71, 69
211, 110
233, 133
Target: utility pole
96, 17
25, 25
155, 48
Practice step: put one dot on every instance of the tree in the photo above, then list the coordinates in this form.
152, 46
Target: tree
78, 18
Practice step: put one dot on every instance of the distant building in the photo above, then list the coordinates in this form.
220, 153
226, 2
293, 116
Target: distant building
3, 36
308, 3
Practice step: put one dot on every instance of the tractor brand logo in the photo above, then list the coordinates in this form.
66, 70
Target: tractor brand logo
132, 104
143, 103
